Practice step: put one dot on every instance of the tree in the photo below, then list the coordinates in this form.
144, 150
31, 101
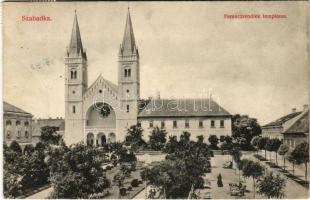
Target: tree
255, 141
245, 127
158, 139
301, 155
76, 171
268, 146
291, 159
272, 186
283, 149
49, 135
252, 169
276, 143
183, 167
29, 149
14, 146
213, 141
134, 137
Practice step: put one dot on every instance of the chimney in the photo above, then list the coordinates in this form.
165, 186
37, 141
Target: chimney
293, 110
305, 107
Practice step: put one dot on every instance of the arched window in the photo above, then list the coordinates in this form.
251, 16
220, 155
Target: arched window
127, 108
8, 123
73, 109
73, 74
18, 134
26, 123
129, 72
125, 73
127, 91
26, 134
8, 134
17, 123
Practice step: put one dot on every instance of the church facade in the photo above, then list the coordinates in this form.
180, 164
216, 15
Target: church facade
103, 111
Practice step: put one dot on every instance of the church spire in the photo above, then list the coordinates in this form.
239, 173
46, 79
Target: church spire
128, 47
76, 47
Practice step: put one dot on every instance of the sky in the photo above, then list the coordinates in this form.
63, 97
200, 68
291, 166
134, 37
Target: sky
257, 67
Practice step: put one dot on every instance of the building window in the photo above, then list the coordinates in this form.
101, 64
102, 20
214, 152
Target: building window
129, 72
17, 123
18, 134
212, 124
100, 91
73, 92
162, 125
73, 109
151, 124
26, 123
126, 72
8, 123
8, 134
222, 123
73, 74
26, 134
186, 123
127, 108
127, 91
175, 125
139, 124
200, 124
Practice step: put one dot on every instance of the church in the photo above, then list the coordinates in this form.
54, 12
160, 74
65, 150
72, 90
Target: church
103, 111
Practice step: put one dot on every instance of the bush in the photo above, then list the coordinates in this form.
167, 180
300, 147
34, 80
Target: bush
129, 188
122, 191
14, 146
199, 183
28, 149
135, 183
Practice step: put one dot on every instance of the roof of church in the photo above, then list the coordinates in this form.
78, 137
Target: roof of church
128, 46
181, 108
76, 46
13, 109
282, 120
299, 124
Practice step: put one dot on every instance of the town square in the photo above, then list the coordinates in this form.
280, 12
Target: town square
155, 100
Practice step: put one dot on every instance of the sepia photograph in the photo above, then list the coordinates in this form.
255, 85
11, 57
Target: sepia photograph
155, 100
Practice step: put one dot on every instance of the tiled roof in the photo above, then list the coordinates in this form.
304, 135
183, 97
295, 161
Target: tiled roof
281, 120
13, 109
300, 124
181, 108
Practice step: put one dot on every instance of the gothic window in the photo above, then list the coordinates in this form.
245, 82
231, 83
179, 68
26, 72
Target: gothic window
73, 109
8, 123
17, 123
175, 125
127, 108
222, 123
212, 124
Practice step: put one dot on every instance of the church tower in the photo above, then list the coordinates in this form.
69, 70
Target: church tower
129, 76
75, 86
